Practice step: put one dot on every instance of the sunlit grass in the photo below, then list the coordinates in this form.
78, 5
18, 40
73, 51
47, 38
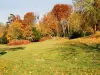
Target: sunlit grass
52, 57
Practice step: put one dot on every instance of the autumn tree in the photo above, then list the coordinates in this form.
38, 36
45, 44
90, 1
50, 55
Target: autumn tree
62, 12
75, 24
27, 25
15, 31
28, 18
2, 29
49, 24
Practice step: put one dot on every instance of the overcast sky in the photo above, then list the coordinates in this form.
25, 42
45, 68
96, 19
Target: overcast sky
20, 7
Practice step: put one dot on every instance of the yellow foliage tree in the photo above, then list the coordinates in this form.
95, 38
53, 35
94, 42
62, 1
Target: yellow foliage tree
15, 31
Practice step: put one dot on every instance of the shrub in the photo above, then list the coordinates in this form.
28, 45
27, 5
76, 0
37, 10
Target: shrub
76, 35
18, 42
37, 34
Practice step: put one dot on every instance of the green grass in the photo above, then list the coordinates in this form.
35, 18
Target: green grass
52, 57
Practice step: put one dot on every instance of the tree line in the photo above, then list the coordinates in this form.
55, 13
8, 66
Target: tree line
64, 20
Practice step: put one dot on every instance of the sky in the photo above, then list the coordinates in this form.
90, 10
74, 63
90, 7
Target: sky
20, 7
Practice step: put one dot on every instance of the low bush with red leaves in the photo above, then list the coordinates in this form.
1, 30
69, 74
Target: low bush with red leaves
18, 42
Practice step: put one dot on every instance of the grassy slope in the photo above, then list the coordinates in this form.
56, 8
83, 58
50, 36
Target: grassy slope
52, 57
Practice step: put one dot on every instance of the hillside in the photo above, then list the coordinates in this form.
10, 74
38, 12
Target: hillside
52, 57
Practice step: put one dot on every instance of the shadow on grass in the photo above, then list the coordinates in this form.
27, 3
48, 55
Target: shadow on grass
3, 52
16, 48
89, 48
70, 50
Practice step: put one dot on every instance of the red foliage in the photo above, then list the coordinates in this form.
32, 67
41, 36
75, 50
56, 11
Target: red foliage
18, 42
62, 11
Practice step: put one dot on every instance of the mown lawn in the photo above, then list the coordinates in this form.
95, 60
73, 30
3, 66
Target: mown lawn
52, 57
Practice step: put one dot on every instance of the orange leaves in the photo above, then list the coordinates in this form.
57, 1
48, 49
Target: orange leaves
27, 24
21, 29
49, 24
62, 11
28, 18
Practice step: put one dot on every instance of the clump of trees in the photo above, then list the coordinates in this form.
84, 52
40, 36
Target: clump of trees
63, 20
55, 22
18, 29
82, 19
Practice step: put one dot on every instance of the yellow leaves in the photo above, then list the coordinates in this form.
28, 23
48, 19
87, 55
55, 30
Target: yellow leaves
75, 21
14, 30
1, 34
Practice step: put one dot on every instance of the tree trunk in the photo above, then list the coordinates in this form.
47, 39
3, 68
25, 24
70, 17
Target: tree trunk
95, 29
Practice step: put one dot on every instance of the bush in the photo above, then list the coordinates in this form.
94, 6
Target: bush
3, 40
37, 34
80, 33
18, 42
76, 35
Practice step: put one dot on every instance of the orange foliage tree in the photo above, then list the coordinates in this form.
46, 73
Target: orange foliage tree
62, 12
28, 19
27, 25
49, 24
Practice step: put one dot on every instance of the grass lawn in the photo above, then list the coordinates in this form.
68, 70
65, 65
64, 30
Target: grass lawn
51, 57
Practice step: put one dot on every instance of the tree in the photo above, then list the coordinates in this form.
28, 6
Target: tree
62, 12
27, 26
15, 31
49, 24
75, 24
28, 18
2, 29
11, 19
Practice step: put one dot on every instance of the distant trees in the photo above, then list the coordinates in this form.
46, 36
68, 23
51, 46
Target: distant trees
3, 33
22, 29
61, 21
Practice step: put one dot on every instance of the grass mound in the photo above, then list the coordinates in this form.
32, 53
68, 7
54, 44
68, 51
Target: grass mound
52, 57
96, 35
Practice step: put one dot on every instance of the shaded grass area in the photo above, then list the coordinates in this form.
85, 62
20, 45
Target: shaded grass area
4, 50
53, 57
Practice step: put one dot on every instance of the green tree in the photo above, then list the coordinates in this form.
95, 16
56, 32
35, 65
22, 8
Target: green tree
89, 9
